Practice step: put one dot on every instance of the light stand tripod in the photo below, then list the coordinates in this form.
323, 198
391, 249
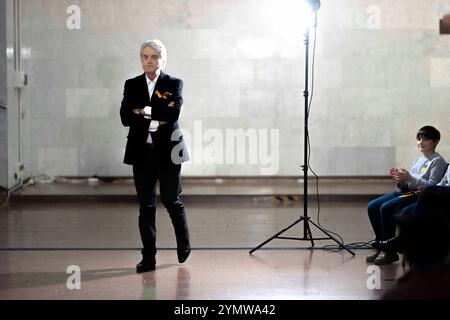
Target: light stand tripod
305, 219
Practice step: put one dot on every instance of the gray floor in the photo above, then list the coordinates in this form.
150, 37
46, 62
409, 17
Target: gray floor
108, 225
208, 274
41, 238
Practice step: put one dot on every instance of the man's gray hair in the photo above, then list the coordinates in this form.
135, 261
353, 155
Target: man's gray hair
159, 47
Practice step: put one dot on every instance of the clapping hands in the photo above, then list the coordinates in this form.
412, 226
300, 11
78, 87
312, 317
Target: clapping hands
399, 174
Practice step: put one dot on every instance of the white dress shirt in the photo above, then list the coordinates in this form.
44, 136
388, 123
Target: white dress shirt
154, 124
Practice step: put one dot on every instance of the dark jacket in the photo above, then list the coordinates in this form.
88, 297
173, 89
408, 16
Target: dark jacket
168, 139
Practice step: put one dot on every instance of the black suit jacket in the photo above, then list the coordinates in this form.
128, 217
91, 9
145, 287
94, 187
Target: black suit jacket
168, 139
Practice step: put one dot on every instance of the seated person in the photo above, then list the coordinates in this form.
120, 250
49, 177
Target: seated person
427, 245
427, 170
444, 183
440, 193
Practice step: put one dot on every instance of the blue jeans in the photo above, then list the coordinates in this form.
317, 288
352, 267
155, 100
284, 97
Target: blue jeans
381, 212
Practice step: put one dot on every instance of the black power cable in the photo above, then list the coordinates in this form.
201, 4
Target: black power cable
334, 248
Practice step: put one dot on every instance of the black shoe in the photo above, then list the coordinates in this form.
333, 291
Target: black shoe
183, 254
146, 265
391, 245
373, 255
376, 244
386, 258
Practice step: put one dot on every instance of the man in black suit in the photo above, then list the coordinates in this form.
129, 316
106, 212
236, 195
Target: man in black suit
155, 148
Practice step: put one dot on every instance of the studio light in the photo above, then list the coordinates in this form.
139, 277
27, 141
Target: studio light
309, 13
289, 16
313, 4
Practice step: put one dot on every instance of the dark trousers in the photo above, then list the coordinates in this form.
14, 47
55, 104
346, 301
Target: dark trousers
430, 198
435, 198
409, 210
382, 210
150, 168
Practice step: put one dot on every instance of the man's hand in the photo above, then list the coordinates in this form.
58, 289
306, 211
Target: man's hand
141, 111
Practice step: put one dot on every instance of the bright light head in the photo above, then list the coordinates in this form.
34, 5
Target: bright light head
314, 4
290, 15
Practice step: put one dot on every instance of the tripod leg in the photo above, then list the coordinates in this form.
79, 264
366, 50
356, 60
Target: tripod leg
275, 236
335, 240
308, 232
